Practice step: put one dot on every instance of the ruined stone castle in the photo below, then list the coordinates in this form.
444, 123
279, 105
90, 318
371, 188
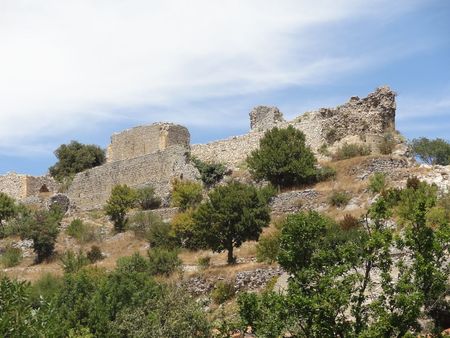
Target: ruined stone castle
155, 154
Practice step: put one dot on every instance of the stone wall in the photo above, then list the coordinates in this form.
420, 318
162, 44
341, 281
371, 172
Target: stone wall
143, 140
365, 119
91, 188
21, 186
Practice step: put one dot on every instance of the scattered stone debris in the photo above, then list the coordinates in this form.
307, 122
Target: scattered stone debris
255, 279
380, 164
294, 201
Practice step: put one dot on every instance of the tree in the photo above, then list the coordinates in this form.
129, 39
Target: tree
283, 158
211, 173
42, 227
122, 199
147, 199
186, 194
431, 151
7, 207
233, 214
74, 158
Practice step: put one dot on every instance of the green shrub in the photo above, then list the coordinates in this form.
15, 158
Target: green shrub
81, 231
74, 158
95, 254
42, 227
283, 158
141, 223
350, 150
7, 208
186, 194
11, 257
339, 199
133, 264
222, 292
387, 145
211, 173
431, 151
392, 196
204, 262
325, 173
46, 287
147, 199
183, 227
73, 262
160, 235
349, 222
323, 150
377, 183
267, 247
121, 200
163, 261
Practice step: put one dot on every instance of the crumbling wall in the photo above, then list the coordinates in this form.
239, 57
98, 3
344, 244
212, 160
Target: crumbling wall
367, 119
143, 140
21, 186
91, 188
263, 118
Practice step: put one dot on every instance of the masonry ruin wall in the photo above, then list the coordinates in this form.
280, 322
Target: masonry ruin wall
144, 140
21, 186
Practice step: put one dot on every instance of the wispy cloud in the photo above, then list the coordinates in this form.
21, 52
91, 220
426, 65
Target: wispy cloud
71, 65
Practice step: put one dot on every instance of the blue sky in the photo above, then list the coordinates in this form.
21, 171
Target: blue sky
83, 70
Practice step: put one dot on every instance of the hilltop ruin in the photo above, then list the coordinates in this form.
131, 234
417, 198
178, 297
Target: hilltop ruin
155, 154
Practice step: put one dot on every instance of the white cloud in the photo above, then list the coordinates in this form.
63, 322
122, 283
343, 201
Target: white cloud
67, 65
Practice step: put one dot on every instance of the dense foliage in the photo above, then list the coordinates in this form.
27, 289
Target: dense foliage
121, 200
333, 269
147, 199
186, 194
74, 158
234, 213
90, 302
7, 208
283, 158
210, 173
431, 151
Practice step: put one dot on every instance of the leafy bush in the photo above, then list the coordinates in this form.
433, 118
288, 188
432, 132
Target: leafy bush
349, 222
183, 227
7, 208
46, 287
11, 257
186, 194
122, 199
160, 235
95, 254
133, 264
325, 173
339, 199
204, 262
323, 150
349, 150
141, 223
377, 182
431, 151
283, 158
387, 145
267, 247
222, 292
233, 214
211, 173
73, 262
81, 231
147, 199
163, 261
42, 227
74, 158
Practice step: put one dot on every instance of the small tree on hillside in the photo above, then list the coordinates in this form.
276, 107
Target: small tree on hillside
7, 207
74, 158
283, 158
432, 151
122, 199
234, 213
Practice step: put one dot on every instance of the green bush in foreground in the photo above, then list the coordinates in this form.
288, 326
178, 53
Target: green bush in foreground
147, 199
11, 257
7, 208
339, 199
222, 292
377, 182
81, 231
